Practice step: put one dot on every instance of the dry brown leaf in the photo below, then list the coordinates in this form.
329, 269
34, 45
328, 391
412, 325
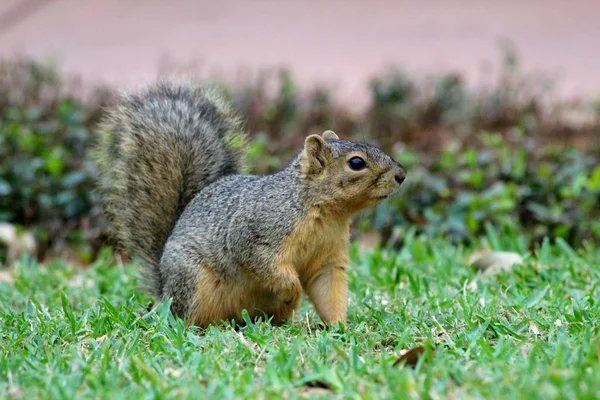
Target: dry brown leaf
411, 356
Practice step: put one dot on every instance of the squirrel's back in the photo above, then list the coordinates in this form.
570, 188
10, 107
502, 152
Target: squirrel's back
158, 148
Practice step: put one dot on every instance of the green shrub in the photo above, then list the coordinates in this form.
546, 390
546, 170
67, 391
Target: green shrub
46, 179
551, 193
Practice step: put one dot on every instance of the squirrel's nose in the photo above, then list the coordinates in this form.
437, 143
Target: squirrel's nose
400, 178
400, 175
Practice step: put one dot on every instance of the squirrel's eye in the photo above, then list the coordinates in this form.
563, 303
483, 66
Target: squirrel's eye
357, 163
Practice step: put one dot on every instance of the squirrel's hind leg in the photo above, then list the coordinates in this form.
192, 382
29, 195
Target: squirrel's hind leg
218, 299
203, 296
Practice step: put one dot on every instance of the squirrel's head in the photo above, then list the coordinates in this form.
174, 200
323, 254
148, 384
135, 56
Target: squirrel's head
346, 175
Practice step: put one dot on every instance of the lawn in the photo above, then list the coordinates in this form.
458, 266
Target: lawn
528, 332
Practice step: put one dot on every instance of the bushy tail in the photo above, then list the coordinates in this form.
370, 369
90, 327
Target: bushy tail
157, 149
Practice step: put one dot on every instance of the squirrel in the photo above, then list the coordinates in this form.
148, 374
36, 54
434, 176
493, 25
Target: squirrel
214, 240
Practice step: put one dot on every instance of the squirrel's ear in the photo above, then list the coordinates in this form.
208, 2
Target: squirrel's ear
329, 135
314, 155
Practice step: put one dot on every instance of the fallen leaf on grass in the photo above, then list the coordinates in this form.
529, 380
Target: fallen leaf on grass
490, 262
495, 260
411, 356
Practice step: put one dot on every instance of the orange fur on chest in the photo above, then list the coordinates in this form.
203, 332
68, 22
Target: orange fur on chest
318, 241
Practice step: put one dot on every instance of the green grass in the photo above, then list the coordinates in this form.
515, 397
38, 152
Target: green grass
531, 332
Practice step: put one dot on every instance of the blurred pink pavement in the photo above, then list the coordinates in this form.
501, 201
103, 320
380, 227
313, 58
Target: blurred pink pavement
334, 41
